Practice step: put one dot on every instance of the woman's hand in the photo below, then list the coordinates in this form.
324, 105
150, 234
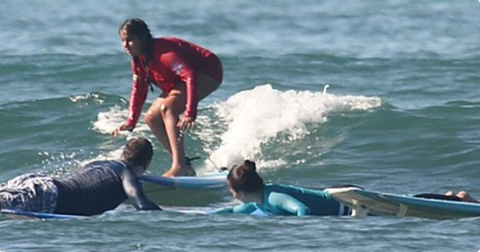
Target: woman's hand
186, 123
124, 126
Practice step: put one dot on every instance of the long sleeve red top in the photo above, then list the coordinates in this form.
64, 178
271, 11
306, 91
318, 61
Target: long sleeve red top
173, 60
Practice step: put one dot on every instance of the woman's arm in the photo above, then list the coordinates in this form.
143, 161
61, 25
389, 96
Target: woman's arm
247, 208
186, 74
288, 204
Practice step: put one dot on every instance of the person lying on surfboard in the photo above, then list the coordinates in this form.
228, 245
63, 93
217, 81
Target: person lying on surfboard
246, 185
185, 72
97, 187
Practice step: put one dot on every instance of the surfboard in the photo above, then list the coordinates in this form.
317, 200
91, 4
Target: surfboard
364, 202
186, 191
14, 214
189, 191
217, 180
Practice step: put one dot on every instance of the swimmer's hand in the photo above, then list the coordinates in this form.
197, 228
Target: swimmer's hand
186, 123
124, 126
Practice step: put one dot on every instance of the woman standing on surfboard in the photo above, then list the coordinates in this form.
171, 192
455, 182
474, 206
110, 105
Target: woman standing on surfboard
186, 73
247, 186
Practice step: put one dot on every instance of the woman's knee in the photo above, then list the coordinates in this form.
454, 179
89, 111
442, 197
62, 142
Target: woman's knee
153, 117
163, 111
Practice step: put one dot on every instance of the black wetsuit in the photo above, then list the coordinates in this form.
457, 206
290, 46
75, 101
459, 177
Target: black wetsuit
96, 188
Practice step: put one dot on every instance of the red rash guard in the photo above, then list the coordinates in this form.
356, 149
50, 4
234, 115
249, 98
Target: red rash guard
172, 61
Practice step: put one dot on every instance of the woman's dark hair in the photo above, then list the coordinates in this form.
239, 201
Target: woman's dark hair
244, 178
138, 151
139, 28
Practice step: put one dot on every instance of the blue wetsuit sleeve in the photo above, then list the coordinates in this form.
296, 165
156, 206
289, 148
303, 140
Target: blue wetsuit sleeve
247, 208
288, 204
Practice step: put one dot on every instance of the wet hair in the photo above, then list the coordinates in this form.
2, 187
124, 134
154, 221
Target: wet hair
138, 151
139, 28
244, 178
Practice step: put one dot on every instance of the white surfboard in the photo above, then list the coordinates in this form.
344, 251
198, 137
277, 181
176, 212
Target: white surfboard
217, 180
186, 191
365, 203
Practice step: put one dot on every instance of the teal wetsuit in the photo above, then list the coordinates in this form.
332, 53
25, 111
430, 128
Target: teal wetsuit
281, 199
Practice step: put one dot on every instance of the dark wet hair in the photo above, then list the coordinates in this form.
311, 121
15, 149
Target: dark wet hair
244, 178
138, 151
139, 28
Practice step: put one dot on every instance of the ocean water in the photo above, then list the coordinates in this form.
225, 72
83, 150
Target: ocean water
383, 94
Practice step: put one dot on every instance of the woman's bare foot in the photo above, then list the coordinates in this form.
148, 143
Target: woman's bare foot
182, 171
449, 193
466, 197
463, 196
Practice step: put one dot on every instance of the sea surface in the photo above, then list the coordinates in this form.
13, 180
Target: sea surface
382, 94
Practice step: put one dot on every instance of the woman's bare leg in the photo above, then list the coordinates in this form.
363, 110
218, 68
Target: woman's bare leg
153, 119
174, 105
171, 108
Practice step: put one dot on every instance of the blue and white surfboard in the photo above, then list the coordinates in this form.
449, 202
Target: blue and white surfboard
211, 181
364, 202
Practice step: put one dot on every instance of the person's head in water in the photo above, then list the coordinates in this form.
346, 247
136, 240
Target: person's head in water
243, 180
138, 153
136, 37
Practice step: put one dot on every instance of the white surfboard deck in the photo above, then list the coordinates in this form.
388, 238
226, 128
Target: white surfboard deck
185, 191
217, 180
365, 203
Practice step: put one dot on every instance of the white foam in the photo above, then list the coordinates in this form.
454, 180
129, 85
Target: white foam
240, 126
254, 117
108, 121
